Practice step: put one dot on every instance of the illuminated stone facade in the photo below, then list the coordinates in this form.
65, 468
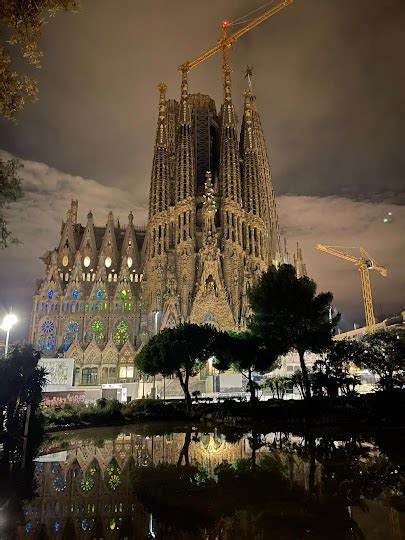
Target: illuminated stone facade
212, 230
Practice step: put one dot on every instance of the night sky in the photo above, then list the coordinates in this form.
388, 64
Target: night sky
329, 76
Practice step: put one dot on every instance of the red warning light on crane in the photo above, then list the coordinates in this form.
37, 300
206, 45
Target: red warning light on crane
226, 24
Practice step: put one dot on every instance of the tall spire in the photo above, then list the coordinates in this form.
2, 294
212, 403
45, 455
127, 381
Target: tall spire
229, 171
299, 264
185, 161
268, 204
250, 167
159, 187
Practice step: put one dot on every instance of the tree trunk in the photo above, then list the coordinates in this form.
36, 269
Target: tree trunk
305, 377
312, 464
184, 386
184, 452
252, 388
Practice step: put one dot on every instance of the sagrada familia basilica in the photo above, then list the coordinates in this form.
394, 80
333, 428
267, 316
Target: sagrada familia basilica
212, 230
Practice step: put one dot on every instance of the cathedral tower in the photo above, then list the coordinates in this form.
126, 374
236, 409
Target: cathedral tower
212, 230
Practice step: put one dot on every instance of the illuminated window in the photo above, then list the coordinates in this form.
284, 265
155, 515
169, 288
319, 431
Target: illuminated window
72, 333
121, 334
114, 475
75, 294
123, 294
99, 294
97, 327
50, 294
108, 262
65, 260
126, 372
86, 261
129, 262
48, 327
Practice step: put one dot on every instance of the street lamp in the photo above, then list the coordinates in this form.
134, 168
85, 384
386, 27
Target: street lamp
8, 322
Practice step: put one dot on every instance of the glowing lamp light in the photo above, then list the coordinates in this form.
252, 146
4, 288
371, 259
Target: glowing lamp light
226, 24
9, 321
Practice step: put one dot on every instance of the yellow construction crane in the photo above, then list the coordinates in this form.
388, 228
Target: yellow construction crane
225, 41
364, 263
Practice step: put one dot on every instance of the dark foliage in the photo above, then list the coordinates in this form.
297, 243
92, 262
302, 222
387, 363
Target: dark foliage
288, 314
181, 351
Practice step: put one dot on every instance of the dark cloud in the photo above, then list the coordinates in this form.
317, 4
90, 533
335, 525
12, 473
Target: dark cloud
329, 77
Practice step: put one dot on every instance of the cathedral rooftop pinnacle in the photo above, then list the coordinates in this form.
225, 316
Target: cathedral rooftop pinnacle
248, 76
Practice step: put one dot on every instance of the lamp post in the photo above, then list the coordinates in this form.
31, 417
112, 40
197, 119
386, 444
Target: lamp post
8, 322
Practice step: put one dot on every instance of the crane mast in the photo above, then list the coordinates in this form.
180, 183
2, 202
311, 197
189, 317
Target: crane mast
364, 263
225, 41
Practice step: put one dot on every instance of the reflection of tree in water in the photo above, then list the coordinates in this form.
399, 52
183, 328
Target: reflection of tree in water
228, 485
246, 498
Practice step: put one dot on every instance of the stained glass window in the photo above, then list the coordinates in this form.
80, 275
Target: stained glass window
51, 343
99, 294
123, 294
41, 342
121, 334
75, 294
46, 338
50, 294
73, 326
72, 333
114, 476
98, 328
48, 327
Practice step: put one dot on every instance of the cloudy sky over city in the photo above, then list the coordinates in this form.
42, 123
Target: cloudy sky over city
329, 78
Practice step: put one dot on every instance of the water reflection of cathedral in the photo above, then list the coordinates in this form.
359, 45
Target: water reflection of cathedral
85, 491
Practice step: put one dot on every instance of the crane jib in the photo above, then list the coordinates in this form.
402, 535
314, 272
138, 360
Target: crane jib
227, 41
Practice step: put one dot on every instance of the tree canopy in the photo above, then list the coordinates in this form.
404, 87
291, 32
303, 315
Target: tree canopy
245, 353
180, 351
333, 372
10, 191
21, 382
22, 22
383, 352
288, 314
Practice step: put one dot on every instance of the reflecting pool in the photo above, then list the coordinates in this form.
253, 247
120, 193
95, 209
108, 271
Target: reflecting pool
197, 482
